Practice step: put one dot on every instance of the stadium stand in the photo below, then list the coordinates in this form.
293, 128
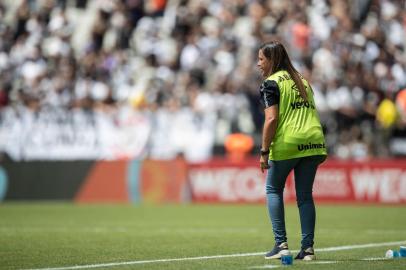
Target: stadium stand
112, 79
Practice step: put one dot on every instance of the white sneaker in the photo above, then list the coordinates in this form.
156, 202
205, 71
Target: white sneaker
278, 251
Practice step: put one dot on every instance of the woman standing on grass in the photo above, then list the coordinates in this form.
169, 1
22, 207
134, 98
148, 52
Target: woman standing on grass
292, 139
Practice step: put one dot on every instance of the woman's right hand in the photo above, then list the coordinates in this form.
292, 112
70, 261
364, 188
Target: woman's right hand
263, 160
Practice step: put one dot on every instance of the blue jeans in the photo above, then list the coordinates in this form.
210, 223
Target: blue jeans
304, 170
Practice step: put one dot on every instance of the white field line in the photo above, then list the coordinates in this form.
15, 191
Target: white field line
376, 259
151, 261
371, 245
322, 262
113, 264
316, 262
266, 266
10, 230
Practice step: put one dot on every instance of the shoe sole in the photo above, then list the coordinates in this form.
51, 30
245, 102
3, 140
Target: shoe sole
279, 255
309, 258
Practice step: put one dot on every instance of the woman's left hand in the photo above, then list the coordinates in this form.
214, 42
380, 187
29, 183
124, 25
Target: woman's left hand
264, 163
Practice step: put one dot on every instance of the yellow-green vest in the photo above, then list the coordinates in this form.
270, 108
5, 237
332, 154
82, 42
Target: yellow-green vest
299, 132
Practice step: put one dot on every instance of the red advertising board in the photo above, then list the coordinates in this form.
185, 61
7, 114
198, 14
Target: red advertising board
222, 181
105, 182
377, 181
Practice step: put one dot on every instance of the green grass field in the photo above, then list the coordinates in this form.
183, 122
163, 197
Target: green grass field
62, 236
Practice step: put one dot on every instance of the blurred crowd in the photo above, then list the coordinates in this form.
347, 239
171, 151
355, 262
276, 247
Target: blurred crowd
188, 68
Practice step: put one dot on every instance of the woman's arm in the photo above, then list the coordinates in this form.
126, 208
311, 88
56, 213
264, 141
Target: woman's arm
268, 133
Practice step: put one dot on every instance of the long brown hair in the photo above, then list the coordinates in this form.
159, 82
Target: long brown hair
280, 60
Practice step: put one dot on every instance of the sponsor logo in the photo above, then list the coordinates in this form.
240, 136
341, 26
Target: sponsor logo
331, 177
309, 146
227, 184
351, 182
302, 104
383, 185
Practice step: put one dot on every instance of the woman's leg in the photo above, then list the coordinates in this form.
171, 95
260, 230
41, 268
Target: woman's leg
275, 184
305, 172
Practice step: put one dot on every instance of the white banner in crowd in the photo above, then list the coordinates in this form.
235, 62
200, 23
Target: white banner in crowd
57, 134
67, 135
